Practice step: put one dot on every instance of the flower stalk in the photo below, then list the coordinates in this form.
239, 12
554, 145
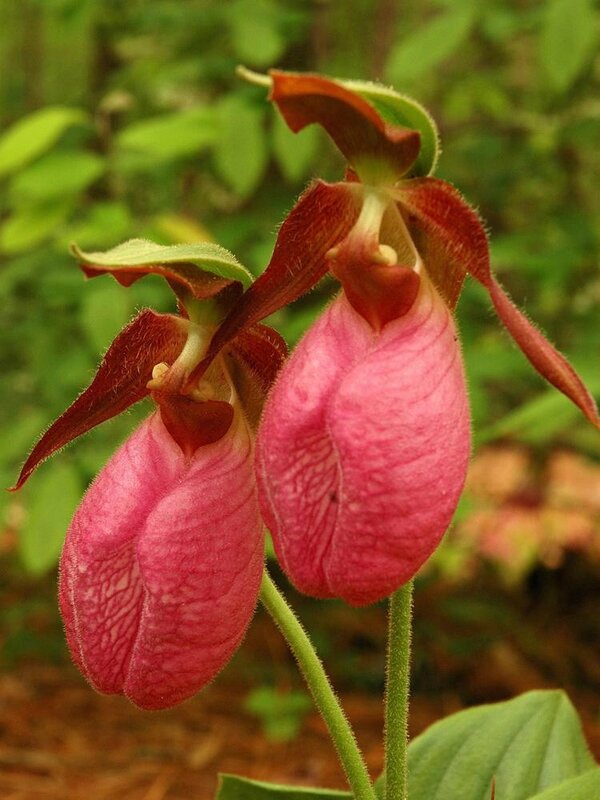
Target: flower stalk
397, 693
320, 688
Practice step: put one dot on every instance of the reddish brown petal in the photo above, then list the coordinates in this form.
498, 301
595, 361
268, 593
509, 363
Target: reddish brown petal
447, 232
452, 241
257, 354
262, 351
192, 423
321, 218
119, 382
375, 148
544, 357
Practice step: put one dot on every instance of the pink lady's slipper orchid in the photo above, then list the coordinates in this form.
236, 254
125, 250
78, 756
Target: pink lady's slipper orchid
162, 562
363, 448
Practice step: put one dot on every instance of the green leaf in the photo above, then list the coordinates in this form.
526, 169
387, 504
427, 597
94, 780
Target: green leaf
540, 419
56, 175
105, 309
31, 226
52, 501
232, 787
527, 744
208, 257
34, 134
104, 224
255, 32
294, 152
584, 787
429, 46
567, 40
240, 150
171, 136
399, 109
281, 713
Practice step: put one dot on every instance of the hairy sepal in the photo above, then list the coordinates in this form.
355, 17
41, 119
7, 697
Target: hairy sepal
322, 217
119, 382
452, 241
255, 357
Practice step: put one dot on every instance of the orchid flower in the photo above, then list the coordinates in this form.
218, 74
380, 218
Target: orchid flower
162, 563
365, 439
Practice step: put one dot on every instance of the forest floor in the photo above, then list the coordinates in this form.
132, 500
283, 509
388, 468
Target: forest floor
481, 635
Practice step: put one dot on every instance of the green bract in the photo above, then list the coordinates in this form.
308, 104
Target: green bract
206, 256
399, 109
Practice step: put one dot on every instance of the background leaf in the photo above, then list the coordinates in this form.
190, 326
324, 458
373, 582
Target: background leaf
53, 497
255, 32
171, 136
56, 175
567, 40
34, 134
294, 152
105, 309
32, 225
430, 45
240, 150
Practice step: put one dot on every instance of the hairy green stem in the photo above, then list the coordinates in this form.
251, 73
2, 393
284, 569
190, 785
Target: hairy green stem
321, 689
397, 693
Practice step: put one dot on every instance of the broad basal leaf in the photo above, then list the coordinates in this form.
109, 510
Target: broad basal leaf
584, 787
527, 744
232, 787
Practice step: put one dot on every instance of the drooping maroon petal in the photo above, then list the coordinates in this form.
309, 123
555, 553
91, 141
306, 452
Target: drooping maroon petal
256, 356
371, 145
321, 218
262, 351
447, 232
452, 241
119, 382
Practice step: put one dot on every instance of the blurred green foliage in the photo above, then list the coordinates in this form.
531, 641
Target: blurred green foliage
126, 119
